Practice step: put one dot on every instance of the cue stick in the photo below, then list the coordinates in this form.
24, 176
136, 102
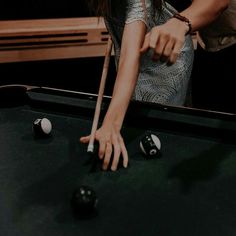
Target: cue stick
100, 95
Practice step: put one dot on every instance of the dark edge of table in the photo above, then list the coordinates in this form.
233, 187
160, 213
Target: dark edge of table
141, 113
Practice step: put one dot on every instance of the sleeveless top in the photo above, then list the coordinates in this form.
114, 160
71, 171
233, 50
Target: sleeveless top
157, 81
222, 32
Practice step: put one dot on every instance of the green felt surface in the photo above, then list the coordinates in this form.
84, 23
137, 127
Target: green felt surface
188, 190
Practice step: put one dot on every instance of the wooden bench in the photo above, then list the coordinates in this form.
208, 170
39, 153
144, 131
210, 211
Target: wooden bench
47, 39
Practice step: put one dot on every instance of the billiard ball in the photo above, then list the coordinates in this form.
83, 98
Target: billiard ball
84, 201
42, 127
150, 144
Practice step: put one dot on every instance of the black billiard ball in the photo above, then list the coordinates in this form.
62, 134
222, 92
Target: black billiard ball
42, 127
84, 201
150, 145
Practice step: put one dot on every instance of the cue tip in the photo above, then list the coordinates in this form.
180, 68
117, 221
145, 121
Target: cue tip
90, 148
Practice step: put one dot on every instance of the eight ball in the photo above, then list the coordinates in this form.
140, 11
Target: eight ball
150, 145
84, 201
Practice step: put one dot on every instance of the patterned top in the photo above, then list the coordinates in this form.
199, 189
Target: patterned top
157, 82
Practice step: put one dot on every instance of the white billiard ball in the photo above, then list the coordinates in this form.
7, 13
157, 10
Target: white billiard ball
42, 127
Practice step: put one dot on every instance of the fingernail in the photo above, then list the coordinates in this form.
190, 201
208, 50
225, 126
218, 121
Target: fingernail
104, 167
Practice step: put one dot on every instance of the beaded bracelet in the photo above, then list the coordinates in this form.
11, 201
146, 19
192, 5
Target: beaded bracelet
186, 20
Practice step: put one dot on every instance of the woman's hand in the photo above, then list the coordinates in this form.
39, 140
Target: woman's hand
111, 146
166, 40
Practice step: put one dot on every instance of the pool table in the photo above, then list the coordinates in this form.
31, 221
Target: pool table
189, 189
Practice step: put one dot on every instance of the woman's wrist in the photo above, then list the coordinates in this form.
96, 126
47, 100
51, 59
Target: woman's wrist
115, 120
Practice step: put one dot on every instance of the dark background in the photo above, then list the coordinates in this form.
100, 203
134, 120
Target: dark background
32, 9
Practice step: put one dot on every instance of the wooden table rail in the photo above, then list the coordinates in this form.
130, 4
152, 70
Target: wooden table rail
47, 39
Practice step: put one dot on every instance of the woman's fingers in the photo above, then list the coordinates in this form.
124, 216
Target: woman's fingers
116, 154
107, 156
85, 139
124, 155
102, 149
110, 150
119, 150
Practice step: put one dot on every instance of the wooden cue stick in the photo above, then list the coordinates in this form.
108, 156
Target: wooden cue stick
100, 95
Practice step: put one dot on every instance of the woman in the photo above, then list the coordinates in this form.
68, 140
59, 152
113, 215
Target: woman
154, 56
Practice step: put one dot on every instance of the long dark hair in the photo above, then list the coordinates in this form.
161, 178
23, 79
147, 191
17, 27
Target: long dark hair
102, 7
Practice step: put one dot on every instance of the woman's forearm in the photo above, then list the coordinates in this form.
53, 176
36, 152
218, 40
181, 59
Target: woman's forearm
123, 90
127, 74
